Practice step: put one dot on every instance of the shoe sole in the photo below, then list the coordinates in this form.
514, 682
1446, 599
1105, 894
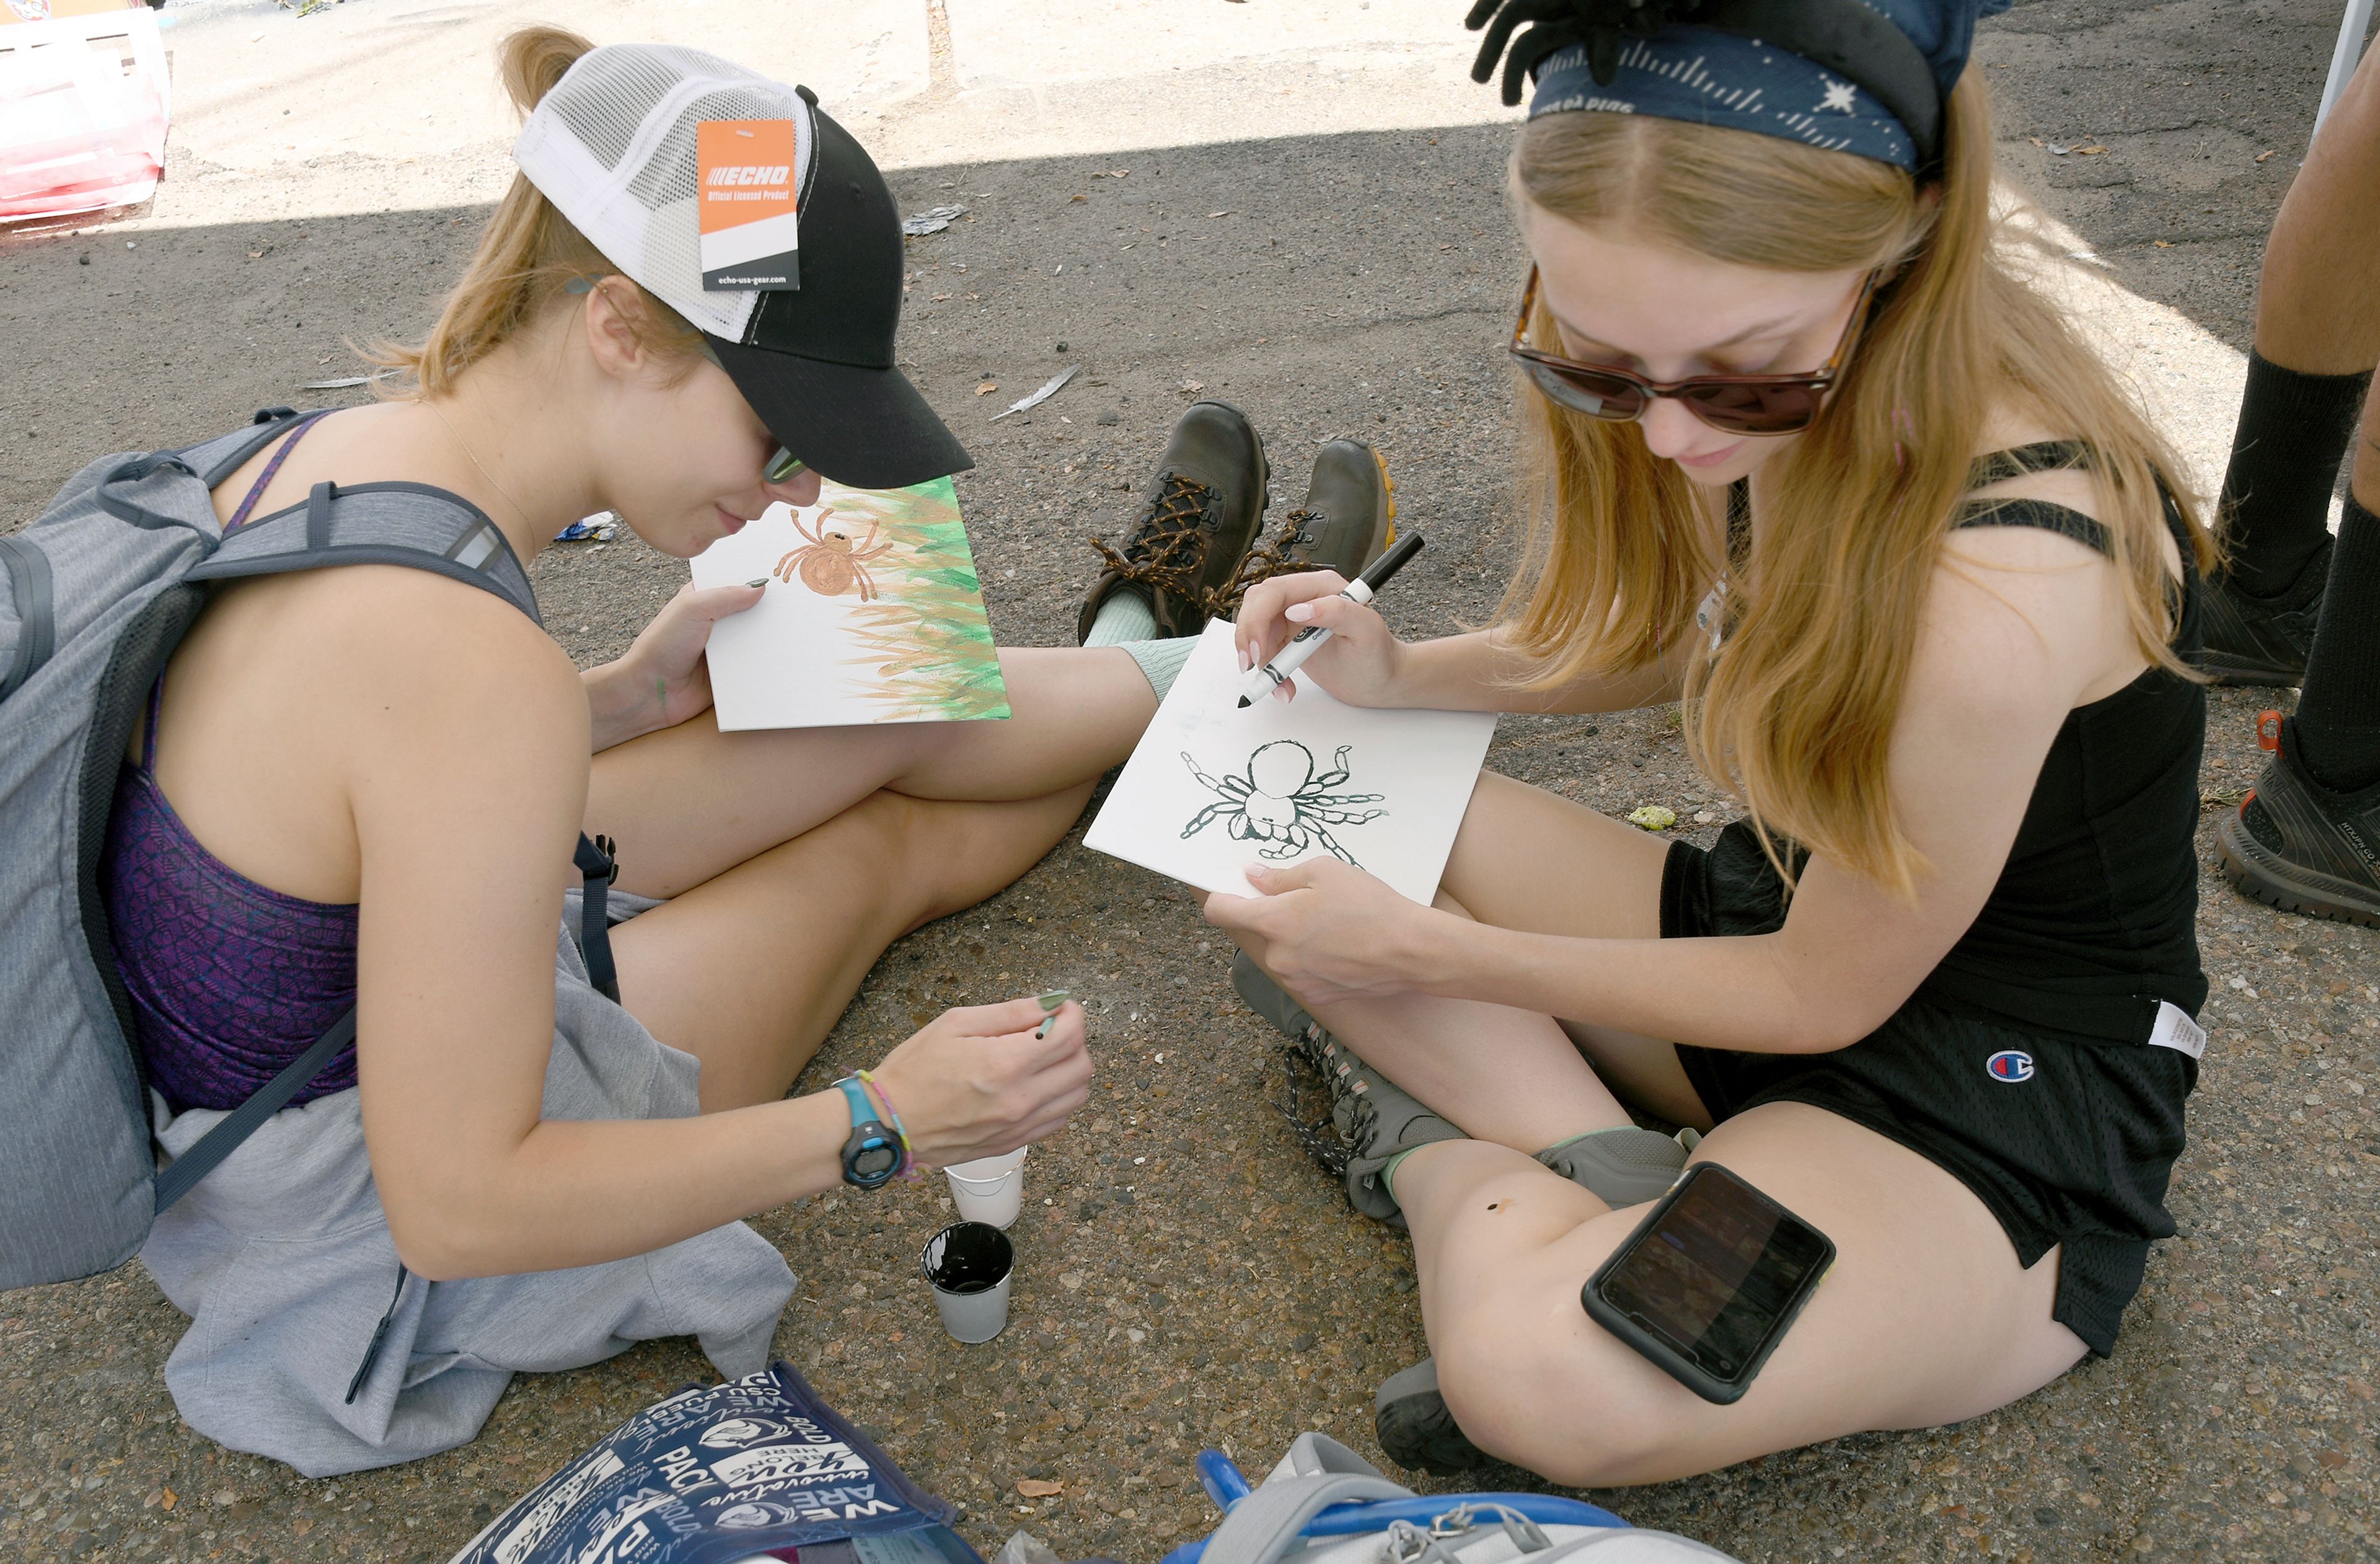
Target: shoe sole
2258, 871
1388, 494
1420, 1434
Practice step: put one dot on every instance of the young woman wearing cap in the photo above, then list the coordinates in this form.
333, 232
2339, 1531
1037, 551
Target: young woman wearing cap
376, 775
1771, 359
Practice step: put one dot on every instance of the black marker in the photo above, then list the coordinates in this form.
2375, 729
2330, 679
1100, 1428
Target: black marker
1306, 642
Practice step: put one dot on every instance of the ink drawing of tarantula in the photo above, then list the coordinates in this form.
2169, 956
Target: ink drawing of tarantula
1282, 803
831, 565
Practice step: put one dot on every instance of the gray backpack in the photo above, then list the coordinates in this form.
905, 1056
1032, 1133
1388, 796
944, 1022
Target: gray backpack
99, 592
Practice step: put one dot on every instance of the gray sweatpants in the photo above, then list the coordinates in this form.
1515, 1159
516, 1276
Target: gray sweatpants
282, 1259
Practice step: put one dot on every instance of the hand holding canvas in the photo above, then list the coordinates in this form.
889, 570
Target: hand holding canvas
662, 680
975, 1082
1326, 930
1360, 664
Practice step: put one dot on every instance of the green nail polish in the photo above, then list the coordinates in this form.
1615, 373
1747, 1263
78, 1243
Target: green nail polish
783, 465
762, 581
1053, 998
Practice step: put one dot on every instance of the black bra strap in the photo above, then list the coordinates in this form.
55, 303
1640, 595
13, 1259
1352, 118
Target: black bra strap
2046, 455
2061, 519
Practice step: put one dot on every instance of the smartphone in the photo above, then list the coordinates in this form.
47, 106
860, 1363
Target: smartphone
1707, 1284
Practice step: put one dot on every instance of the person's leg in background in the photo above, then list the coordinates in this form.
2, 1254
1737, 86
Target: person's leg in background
2307, 839
2318, 340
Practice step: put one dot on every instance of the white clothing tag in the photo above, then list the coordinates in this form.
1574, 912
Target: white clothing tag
2176, 1031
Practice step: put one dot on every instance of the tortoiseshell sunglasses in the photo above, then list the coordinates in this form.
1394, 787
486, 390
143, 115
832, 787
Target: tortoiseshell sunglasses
1730, 403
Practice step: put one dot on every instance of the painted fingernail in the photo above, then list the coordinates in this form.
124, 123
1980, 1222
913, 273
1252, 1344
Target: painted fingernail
1299, 612
1053, 998
761, 582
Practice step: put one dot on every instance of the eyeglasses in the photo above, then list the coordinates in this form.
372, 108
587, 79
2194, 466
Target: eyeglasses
1731, 404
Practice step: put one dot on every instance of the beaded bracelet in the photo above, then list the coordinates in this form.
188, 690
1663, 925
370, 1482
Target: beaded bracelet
908, 1169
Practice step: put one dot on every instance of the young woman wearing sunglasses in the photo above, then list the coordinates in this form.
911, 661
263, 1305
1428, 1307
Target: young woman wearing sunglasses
1804, 451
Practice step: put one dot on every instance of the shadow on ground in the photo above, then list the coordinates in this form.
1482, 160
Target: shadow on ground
1187, 1278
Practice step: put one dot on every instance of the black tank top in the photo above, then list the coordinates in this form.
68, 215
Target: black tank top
2093, 919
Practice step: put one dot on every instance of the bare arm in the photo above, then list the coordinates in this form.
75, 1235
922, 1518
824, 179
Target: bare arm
2021, 626
1364, 664
466, 782
662, 679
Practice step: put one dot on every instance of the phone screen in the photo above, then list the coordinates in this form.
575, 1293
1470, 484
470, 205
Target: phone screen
1717, 1272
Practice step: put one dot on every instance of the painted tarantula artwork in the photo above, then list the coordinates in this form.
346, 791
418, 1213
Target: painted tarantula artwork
1281, 801
832, 564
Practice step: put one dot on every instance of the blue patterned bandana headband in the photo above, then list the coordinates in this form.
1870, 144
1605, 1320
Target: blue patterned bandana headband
1692, 73
1707, 62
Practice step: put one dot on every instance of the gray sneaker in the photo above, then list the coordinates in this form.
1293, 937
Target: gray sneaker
1622, 1168
1376, 1121
1415, 1429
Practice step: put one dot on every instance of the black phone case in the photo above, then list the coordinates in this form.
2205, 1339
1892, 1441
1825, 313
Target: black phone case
1659, 1353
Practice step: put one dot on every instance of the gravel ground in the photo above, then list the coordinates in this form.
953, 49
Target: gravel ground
1187, 1278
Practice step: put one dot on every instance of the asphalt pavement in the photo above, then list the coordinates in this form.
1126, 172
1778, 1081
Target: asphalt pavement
1298, 208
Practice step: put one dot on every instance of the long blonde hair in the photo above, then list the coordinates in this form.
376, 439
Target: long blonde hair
529, 254
1796, 716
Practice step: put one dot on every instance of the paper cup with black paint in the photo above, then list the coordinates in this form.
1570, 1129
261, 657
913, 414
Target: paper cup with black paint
990, 1189
968, 1264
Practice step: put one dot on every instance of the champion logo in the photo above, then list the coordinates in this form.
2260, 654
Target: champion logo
749, 174
2010, 1066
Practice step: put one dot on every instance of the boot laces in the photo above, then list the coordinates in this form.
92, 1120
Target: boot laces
1268, 560
1166, 551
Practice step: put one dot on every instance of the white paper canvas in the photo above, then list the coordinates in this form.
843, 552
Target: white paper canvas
1212, 788
873, 613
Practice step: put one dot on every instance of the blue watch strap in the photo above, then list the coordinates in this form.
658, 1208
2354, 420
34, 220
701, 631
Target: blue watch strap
862, 1111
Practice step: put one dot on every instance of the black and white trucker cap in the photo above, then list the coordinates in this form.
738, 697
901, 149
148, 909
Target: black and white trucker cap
612, 146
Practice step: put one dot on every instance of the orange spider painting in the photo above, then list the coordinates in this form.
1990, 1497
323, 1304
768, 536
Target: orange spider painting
829, 563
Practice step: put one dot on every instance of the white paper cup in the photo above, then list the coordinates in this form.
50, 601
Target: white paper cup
969, 1266
990, 1189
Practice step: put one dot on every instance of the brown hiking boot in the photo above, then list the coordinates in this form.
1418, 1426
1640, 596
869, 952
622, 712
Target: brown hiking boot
1197, 519
1347, 521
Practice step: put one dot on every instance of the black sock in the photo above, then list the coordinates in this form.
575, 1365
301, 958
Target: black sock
2291, 437
2337, 722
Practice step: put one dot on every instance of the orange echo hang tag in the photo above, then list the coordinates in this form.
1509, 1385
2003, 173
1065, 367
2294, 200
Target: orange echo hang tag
749, 226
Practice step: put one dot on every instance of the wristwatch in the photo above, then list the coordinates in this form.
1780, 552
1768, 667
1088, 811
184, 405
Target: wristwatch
873, 1154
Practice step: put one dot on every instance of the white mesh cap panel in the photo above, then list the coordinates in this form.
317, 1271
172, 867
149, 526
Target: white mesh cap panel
612, 146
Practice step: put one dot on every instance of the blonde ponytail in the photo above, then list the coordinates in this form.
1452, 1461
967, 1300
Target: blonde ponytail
529, 254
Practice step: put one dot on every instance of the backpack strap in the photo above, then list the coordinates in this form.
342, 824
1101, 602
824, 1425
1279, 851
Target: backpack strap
29, 589
597, 869
177, 1176
1318, 1473
391, 523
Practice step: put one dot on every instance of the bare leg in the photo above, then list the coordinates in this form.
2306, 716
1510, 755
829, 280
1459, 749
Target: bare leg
1926, 1318
749, 970
2318, 300
1526, 859
690, 802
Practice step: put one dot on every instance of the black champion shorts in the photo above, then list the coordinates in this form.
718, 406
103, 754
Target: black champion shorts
2073, 1151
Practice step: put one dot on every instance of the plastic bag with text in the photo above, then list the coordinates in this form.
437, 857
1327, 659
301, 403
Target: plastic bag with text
757, 1469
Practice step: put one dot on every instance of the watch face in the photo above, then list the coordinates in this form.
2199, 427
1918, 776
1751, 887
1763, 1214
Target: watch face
874, 1162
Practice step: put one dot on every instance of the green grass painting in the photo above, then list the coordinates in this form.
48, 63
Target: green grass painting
924, 642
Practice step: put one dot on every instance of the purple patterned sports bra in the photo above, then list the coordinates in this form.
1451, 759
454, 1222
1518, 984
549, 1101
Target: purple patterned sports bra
230, 980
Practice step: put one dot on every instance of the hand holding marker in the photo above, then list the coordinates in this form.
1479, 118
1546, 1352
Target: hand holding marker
1308, 641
